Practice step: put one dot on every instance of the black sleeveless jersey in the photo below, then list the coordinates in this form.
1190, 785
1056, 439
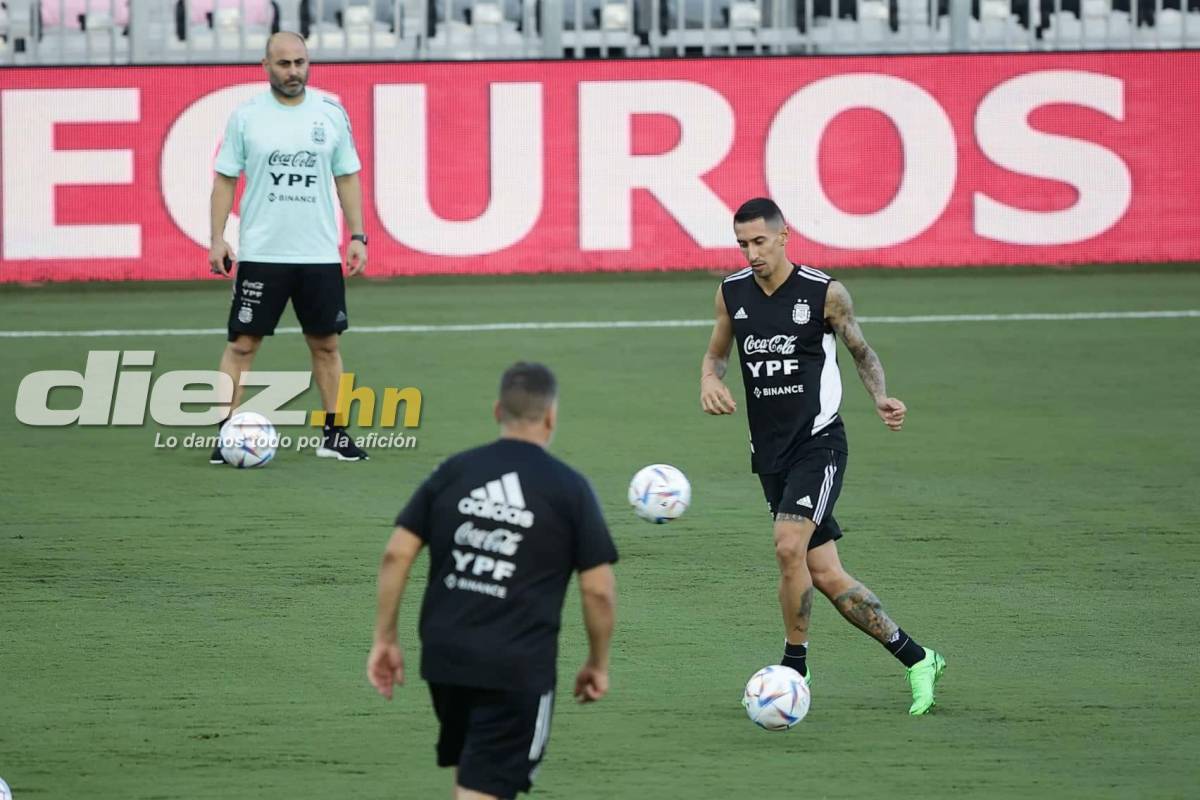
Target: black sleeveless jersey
789, 366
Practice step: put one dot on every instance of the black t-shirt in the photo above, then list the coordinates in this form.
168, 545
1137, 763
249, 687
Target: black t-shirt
788, 353
506, 525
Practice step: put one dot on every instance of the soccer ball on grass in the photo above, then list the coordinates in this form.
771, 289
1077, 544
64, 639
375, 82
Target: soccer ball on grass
659, 493
248, 440
776, 698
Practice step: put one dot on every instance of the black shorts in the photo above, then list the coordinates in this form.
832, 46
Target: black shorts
810, 488
260, 291
496, 738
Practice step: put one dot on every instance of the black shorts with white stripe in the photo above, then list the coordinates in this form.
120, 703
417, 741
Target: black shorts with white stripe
810, 488
496, 738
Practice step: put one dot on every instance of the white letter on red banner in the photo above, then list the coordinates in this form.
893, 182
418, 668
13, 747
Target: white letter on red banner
33, 168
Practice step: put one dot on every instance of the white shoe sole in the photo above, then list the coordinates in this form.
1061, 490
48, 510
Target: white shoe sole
325, 452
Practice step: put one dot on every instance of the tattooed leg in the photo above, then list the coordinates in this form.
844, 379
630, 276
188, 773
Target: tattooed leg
862, 608
795, 584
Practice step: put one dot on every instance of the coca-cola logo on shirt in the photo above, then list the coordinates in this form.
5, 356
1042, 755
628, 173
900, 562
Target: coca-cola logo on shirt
300, 158
783, 345
501, 540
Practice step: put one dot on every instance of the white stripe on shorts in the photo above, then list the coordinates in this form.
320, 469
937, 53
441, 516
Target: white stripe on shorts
541, 728
826, 490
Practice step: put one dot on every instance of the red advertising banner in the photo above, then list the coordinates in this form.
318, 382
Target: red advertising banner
634, 164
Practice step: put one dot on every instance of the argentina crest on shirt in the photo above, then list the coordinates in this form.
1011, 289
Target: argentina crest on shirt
801, 313
318, 133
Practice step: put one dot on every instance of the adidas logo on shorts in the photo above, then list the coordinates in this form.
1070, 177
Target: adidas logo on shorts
499, 500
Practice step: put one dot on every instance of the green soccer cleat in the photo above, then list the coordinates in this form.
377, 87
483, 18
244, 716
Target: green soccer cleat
922, 677
807, 675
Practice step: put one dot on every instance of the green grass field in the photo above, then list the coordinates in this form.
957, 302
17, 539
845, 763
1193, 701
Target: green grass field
175, 630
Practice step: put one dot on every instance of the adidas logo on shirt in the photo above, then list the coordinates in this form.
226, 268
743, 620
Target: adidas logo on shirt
805, 501
741, 314
500, 500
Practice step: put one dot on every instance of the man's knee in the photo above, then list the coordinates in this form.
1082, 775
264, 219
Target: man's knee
323, 346
245, 345
828, 574
830, 580
791, 544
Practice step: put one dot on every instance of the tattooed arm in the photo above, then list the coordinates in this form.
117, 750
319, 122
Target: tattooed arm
839, 312
715, 397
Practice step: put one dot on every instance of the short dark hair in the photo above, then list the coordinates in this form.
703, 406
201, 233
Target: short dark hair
763, 208
527, 389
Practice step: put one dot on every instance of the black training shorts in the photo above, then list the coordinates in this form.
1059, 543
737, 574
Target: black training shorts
496, 738
810, 488
260, 291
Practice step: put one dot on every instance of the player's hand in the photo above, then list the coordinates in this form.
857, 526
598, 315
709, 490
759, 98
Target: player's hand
220, 258
356, 258
715, 397
892, 412
385, 667
591, 684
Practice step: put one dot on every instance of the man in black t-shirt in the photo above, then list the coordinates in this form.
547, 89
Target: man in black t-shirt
784, 319
506, 525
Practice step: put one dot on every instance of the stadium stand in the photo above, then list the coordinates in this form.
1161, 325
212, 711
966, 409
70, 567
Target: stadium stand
231, 31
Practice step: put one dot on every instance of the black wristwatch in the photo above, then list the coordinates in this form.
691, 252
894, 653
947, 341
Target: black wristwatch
359, 237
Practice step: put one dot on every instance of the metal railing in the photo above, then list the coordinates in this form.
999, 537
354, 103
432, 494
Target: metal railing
235, 31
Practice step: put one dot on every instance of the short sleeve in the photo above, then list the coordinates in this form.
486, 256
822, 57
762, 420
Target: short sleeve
416, 516
593, 543
345, 156
231, 159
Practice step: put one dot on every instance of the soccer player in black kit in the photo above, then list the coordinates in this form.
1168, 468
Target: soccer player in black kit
783, 318
506, 524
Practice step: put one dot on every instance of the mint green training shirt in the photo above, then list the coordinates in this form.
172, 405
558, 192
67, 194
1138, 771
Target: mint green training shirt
290, 155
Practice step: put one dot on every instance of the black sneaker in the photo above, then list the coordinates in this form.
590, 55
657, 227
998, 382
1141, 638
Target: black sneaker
216, 457
339, 445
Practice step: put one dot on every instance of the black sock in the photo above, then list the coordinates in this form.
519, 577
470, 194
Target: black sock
904, 648
795, 656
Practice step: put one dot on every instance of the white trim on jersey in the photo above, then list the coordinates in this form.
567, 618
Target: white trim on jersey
541, 728
831, 386
737, 276
813, 278
826, 490
816, 273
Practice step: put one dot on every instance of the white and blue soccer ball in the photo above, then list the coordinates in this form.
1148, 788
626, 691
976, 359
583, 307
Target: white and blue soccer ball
5, 792
248, 440
776, 698
660, 493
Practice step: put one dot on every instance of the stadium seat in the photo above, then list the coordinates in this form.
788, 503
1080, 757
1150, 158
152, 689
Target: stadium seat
1171, 28
727, 26
225, 24
597, 27
314, 12
470, 29
391, 28
257, 13
77, 14
996, 25
359, 30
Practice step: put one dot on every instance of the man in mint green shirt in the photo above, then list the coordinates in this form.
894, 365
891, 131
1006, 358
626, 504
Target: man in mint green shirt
293, 144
